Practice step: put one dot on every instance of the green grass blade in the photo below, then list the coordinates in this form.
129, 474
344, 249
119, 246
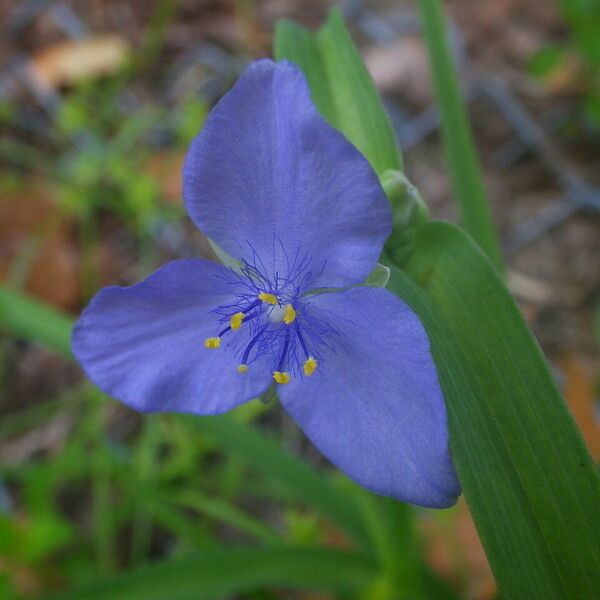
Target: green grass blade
26, 318
461, 156
225, 572
396, 543
223, 511
294, 478
530, 483
341, 87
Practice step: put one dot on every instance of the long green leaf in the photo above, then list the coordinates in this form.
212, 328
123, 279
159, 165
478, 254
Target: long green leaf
341, 87
461, 156
223, 511
293, 477
24, 317
526, 474
223, 572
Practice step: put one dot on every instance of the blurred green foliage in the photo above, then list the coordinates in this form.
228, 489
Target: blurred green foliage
582, 18
107, 149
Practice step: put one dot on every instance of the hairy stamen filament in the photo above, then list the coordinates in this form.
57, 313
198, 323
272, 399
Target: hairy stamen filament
235, 322
252, 306
280, 376
300, 338
310, 364
275, 302
243, 366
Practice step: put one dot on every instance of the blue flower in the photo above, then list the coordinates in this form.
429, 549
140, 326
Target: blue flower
301, 210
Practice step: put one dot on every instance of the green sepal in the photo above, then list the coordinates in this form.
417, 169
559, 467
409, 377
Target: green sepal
379, 276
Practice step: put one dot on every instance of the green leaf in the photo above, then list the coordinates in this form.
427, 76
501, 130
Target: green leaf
341, 87
293, 477
392, 528
378, 277
465, 171
583, 19
224, 572
530, 483
221, 510
546, 60
26, 318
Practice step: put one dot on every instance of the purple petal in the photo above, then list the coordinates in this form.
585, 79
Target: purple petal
267, 170
375, 409
145, 344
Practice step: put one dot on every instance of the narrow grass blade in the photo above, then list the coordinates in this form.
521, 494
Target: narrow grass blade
294, 478
461, 155
222, 573
32, 320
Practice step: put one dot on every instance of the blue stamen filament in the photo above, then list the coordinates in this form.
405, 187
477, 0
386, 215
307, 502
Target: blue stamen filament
252, 306
229, 327
280, 376
310, 364
252, 342
282, 322
301, 339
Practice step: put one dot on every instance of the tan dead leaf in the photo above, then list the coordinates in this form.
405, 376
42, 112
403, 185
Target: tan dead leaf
531, 289
401, 67
69, 62
33, 231
569, 77
165, 169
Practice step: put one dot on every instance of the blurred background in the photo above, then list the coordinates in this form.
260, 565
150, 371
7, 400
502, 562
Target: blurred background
98, 102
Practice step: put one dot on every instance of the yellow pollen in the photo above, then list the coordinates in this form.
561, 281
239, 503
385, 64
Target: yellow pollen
236, 320
289, 314
212, 342
268, 298
242, 368
281, 377
310, 366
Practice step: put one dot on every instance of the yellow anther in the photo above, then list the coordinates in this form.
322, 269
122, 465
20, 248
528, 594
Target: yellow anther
212, 342
309, 366
268, 298
235, 321
242, 368
289, 314
281, 377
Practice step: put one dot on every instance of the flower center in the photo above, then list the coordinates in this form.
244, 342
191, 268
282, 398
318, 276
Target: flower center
285, 314
271, 317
